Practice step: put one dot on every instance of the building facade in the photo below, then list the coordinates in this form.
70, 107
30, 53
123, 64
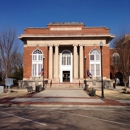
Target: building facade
66, 51
120, 59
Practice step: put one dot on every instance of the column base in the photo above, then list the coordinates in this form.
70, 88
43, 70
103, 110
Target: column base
75, 80
81, 80
56, 80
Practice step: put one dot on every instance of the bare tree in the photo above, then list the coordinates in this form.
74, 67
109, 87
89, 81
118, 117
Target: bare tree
122, 46
9, 52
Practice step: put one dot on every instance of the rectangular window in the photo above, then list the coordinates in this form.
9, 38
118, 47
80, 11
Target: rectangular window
68, 61
40, 57
34, 57
63, 60
91, 57
34, 69
39, 68
97, 57
97, 70
92, 69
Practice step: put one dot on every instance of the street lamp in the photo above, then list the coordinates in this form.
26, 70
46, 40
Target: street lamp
102, 95
85, 73
43, 73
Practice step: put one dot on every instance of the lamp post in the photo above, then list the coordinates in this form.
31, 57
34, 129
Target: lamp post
102, 87
85, 73
43, 73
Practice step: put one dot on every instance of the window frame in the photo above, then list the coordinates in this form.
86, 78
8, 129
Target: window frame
66, 58
95, 62
37, 62
115, 58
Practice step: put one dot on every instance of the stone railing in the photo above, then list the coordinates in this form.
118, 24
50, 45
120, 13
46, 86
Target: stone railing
97, 82
27, 83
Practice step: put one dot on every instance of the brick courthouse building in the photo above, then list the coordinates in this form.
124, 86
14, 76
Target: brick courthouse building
66, 50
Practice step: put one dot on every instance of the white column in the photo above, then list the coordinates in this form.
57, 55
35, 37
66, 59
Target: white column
75, 62
56, 62
50, 61
81, 62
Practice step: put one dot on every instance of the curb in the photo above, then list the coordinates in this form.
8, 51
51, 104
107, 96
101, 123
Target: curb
52, 106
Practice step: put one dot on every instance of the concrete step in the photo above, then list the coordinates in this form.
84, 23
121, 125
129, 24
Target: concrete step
65, 85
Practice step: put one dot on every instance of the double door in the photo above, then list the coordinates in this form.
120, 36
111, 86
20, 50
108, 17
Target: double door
66, 76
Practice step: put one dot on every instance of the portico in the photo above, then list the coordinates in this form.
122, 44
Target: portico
66, 63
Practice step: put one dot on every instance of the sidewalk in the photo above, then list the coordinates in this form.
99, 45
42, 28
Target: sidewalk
65, 97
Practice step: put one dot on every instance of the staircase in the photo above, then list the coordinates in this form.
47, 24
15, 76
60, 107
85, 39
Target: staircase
65, 85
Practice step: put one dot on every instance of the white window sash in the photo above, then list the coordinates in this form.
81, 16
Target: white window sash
37, 63
95, 64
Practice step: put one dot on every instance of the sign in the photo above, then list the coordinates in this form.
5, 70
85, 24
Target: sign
8, 81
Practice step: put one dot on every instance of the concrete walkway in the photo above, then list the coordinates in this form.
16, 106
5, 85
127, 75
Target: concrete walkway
63, 97
75, 95
76, 92
57, 100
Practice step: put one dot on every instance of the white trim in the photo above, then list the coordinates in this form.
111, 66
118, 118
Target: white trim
66, 67
37, 63
95, 62
65, 29
64, 35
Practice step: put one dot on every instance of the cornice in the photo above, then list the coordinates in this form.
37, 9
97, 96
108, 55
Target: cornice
68, 35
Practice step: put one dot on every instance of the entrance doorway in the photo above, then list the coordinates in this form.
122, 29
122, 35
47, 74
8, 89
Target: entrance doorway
66, 76
66, 63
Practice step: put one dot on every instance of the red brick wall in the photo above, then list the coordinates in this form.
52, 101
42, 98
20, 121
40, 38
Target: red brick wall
105, 58
28, 61
106, 61
46, 31
94, 30
113, 69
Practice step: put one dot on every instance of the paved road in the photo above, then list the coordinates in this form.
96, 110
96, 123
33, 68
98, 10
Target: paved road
52, 118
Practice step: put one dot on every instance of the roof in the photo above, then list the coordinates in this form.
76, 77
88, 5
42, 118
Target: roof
67, 30
66, 23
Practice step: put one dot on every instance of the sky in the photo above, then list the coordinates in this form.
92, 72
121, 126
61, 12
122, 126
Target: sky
20, 14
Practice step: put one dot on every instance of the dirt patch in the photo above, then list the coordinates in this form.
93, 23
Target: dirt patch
114, 94
14, 93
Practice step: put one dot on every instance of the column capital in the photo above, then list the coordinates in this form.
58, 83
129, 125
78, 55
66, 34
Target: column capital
81, 45
56, 44
75, 44
50, 44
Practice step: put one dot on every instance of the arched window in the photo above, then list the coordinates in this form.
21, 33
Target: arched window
37, 62
95, 66
115, 58
66, 58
